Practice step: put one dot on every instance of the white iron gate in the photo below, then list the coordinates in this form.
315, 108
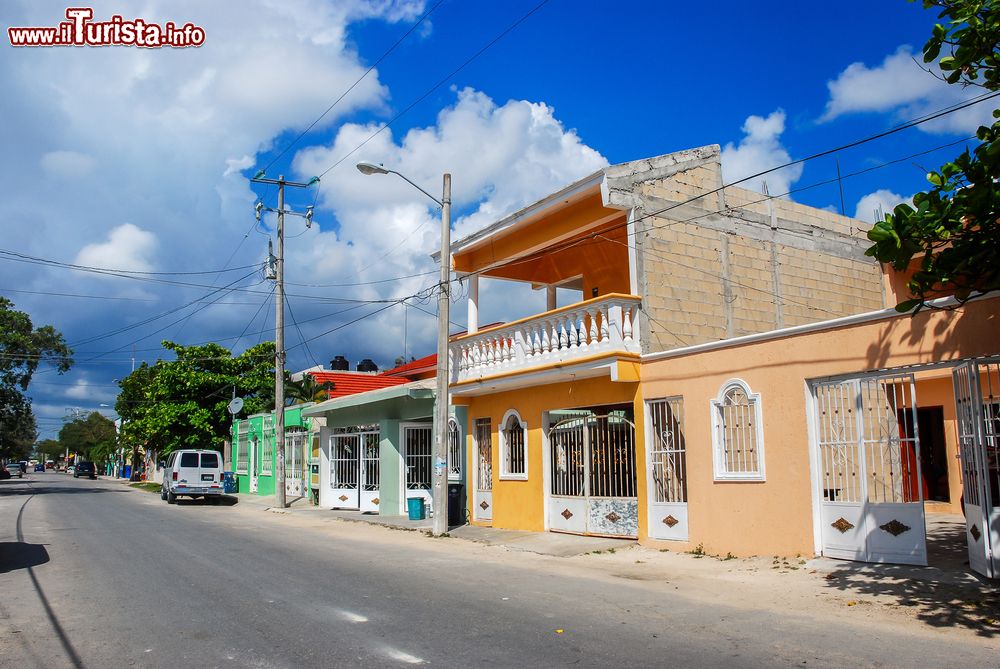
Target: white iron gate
871, 496
417, 456
667, 469
294, 467
354, 470
977, 403
482, 503
593, 480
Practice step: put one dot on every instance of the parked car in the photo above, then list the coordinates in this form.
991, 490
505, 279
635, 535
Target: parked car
71, 469
13, 469
40, 467
24, 466
84, 468
192, 473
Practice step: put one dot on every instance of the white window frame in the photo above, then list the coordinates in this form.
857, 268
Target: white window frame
454, 458
243, 447
504, 474
718, 434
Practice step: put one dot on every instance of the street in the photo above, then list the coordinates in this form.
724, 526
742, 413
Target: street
96, 574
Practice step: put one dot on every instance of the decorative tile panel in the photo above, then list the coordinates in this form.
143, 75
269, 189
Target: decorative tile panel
842, 525
343, 498
375, 501
613, 517
974, 531
670, 521
894, 527
483, 505
567, 514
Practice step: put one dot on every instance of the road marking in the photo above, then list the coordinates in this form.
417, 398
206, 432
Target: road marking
401, 656
352, 617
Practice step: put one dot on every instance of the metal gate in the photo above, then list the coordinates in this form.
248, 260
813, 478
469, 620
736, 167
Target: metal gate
482, 503
667, 469
294, 467
593, 481
354, 470
871, 496
417, 456
977, 403
254, 460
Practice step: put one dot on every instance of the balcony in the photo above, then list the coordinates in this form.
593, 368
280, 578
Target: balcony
573, 334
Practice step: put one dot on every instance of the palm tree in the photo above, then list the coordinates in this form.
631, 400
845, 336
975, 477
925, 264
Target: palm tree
306, 390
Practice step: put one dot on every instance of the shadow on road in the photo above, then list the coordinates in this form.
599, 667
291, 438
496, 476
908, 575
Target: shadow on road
53, 490
945, 594
224, 500
16, 555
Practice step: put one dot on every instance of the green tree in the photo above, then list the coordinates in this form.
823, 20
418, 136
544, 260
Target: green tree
953, 229
181, 403
93, 437
23, 348
307, 389
49, 449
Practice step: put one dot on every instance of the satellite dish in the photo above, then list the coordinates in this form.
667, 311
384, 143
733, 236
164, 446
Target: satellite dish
236, 405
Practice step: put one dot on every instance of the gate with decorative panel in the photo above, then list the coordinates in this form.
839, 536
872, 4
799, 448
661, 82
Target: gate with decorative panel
666, 469
868, 460
354, 469
592, 486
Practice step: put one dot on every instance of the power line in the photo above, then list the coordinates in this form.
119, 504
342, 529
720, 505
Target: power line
89, 268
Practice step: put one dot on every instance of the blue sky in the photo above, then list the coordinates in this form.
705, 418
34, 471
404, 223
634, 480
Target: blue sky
139, 159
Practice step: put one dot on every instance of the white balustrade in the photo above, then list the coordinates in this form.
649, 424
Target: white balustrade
590, 328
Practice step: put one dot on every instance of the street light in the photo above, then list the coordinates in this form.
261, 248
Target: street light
441, 401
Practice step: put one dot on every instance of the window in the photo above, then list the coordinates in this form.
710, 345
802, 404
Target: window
209, 460
513, 447
737, 436
454, 451
242, 447
266, 466
189, 459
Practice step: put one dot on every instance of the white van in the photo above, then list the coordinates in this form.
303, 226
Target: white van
192, 473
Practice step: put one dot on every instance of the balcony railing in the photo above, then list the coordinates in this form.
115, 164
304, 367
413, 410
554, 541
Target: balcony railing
578, 331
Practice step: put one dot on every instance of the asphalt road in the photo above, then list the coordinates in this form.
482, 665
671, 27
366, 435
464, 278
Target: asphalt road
93, 574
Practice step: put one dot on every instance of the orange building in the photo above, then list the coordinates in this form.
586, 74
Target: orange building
730, 375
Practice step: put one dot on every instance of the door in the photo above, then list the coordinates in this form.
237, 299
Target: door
417, 462
666, 469
592, 476
354, 470
871, 499
294, 470
254, 459
482, 502
977, 404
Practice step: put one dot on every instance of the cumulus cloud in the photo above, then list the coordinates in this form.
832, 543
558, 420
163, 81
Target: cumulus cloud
85, 389
67, 164
901, 86
759, 150
128, 247
882, 201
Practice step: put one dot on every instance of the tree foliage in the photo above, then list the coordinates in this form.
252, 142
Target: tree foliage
308, 389
953, 230
93, 437
23, 348
181, 403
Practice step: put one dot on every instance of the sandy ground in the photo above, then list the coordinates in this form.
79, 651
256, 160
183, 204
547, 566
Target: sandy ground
818, 588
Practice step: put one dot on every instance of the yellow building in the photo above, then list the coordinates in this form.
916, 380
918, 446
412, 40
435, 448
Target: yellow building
686, 395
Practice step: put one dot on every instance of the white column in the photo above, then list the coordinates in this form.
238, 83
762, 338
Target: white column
550, 298
473, 319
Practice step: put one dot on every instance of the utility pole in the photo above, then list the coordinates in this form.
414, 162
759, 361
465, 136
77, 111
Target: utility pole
441, 400
279, 326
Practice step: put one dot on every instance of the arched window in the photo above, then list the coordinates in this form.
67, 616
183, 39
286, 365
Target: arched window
513, 447
737, 435
454, 451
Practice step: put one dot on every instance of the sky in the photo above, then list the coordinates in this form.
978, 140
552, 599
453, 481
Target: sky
139, 160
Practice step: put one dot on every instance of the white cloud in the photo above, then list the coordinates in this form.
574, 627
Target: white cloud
84, 389
67, 164
128, 247
902, 86
760, 150
882, 200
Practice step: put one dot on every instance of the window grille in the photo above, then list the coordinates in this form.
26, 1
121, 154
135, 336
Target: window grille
267, 451
242, 447
737, 435
668, 467
484, 455
454, 451
418, 458
513, 443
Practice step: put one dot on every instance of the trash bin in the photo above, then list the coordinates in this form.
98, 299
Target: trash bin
415, 507
456, 502
128, 472
229, 485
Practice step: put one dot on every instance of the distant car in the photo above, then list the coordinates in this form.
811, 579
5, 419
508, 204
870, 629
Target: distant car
84, 468
50, 464
192, 473
13, 469
24, 466
40, 467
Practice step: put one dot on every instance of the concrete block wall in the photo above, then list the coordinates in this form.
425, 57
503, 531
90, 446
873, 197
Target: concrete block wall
733, 263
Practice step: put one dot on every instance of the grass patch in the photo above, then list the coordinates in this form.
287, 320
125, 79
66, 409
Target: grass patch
148, 486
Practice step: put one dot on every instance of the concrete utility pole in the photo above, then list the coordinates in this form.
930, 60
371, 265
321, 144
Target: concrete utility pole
442, 401
279, 328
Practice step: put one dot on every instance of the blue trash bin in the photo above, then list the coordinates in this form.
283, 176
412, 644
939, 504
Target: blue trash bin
229, 485
415, 508
127, 474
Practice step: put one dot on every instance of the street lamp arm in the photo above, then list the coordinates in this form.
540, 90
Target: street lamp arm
371, 168
404, 177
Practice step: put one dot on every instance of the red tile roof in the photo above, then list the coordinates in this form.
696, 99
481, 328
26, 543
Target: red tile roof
414, 368
350, 383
